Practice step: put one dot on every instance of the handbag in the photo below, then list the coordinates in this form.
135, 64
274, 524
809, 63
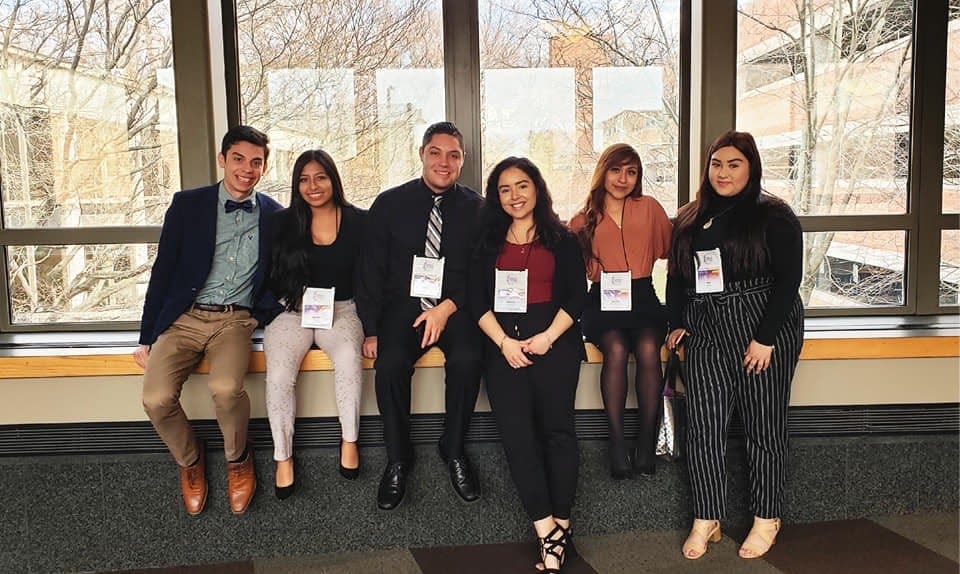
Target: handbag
668, 434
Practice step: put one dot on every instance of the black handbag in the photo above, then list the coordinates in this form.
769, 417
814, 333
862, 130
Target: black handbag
669, 433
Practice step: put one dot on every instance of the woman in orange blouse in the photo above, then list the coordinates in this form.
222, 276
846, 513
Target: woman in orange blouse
622, 233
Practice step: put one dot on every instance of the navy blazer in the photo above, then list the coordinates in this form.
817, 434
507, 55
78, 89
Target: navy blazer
185, 255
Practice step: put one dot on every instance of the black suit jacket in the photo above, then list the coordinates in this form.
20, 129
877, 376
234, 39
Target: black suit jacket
185, 255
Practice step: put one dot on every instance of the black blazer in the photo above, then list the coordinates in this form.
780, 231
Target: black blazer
185, 255
569, 282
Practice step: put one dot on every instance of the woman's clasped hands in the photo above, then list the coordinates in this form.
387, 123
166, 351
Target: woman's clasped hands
515, 351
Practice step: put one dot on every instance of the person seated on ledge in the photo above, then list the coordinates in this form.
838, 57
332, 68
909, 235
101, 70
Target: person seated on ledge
205, 296
316, 243
527, 290
732, 294
622, 233
411, 295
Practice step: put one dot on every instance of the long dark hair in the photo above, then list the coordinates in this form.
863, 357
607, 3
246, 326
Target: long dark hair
289, 272
614, 155
744, 245
496, 222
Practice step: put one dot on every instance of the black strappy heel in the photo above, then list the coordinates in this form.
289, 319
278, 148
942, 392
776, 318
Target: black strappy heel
554, 544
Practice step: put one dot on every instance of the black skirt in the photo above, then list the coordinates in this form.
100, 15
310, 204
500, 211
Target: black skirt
646, 311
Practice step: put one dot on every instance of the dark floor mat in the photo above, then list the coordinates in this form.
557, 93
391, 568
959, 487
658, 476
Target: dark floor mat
511, 558
852, 547
226, 568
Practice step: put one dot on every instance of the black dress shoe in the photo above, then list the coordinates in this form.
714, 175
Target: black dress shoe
393, 485
463, 479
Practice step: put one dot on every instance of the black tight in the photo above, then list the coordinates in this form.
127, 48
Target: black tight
616, 345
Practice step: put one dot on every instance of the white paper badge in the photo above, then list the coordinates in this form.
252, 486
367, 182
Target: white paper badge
427, 277
615, 291
510, 291
709, 268
317, 311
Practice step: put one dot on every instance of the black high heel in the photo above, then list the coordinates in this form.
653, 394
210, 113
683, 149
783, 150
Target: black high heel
642, 467
619, 460
284, 492
347, 473
554, 544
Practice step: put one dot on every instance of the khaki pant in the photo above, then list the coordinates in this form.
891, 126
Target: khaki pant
225, 340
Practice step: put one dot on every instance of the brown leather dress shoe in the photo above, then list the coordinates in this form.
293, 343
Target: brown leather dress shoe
241, 482
193, 485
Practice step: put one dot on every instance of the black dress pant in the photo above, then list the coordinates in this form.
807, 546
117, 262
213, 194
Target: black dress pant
534, 408
398, 349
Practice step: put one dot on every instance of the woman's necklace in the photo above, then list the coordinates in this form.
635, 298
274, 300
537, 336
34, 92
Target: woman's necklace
516, 239
709, 222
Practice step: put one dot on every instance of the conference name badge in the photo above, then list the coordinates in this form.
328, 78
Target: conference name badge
317, 308
427, 277
615, 294
709, 268
510, 291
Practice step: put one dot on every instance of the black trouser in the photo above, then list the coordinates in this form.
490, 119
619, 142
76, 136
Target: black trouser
720, 327
398, 348
534, 408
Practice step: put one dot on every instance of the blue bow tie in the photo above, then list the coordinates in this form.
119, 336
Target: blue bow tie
230, 206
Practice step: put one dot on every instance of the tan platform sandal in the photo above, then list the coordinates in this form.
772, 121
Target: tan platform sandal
702, 532
762, 536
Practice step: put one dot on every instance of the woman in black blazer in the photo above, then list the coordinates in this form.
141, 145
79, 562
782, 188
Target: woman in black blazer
527, 293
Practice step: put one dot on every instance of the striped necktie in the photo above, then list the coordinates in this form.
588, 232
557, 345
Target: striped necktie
432, 246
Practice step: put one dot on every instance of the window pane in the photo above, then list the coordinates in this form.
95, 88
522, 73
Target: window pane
88, 127
824, 86
77, 283
361, 79
951, 131
854, 269
949, 267
563, 80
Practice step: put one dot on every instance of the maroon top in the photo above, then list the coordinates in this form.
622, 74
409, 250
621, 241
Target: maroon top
539, 263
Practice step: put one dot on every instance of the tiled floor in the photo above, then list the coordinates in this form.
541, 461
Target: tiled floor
910, 544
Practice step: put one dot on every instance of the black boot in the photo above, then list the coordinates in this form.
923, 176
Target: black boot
619, 459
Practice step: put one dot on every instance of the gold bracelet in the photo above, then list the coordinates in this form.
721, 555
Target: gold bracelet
500, 344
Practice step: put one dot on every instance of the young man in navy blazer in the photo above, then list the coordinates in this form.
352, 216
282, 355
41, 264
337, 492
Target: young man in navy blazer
205, 298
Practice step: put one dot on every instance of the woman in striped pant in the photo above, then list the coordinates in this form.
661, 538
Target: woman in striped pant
734, 273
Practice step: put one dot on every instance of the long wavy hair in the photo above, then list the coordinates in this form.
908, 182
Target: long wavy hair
615, 155
289, 271
744, 244
547, 225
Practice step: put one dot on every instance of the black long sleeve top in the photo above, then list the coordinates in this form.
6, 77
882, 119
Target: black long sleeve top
396, 231
783, 240
569, 279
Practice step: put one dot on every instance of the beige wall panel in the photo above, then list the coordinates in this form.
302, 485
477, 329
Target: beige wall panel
818, 382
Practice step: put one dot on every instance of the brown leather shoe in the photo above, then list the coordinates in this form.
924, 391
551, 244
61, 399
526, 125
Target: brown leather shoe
193, 485
241, 482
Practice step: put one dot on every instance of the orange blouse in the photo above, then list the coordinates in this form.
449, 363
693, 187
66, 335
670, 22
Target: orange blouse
646, 238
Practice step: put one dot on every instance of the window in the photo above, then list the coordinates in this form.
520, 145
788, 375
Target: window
88, 141
561, 81
360, 79
821, 87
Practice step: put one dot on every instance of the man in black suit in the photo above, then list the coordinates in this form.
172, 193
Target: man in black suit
205, 297
429, 222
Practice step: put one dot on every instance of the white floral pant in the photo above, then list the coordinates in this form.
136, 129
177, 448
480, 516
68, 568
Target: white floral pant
285, 343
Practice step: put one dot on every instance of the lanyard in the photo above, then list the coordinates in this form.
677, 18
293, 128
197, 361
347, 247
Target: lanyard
623, 244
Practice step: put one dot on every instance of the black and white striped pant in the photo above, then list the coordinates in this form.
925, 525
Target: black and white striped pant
720, 326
